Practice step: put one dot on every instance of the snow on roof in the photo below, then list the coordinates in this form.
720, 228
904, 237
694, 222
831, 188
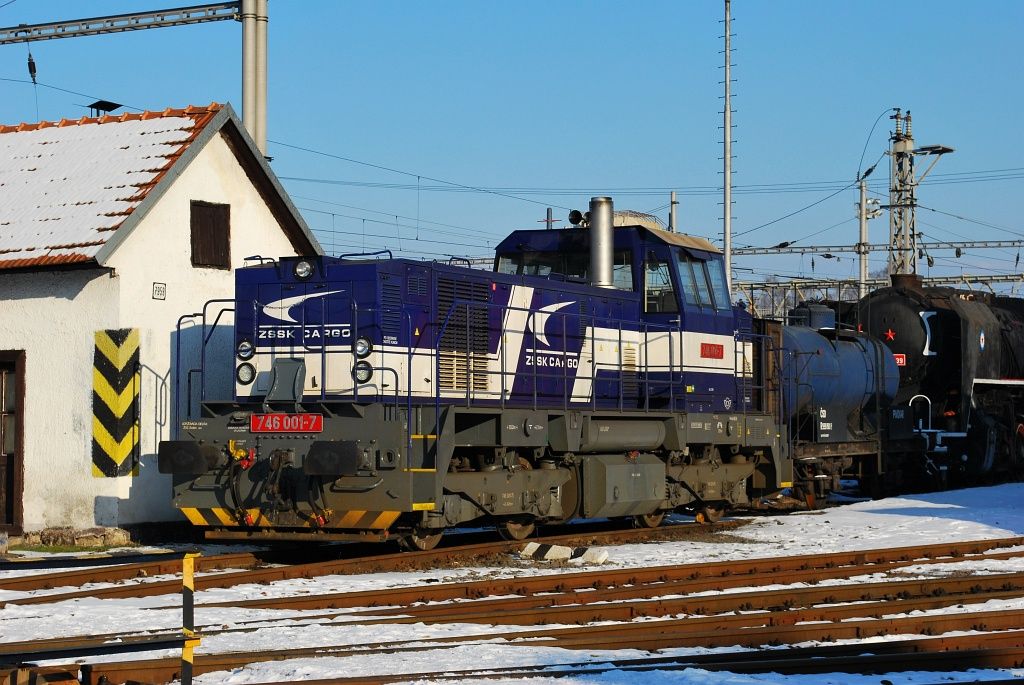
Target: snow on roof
66, 187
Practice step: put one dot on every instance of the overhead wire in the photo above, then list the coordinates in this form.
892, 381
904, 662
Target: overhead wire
978, 222
406, 173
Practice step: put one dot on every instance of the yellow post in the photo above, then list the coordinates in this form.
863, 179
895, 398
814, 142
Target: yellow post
188, 620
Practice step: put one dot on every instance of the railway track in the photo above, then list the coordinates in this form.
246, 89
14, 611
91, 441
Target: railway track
367, 563
675, 617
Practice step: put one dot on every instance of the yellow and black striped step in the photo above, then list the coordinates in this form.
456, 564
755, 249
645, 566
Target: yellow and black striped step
360, 520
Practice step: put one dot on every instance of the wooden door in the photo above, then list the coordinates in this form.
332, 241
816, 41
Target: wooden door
12, 385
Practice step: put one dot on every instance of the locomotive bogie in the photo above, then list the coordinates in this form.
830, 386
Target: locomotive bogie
366, 474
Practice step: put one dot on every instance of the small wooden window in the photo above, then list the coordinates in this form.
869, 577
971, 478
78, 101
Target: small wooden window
211, 235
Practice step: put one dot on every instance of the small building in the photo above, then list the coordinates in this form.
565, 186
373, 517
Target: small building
112, 228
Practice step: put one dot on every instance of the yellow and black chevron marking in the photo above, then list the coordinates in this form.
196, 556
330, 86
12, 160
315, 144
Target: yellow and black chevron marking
115, 403
219, 517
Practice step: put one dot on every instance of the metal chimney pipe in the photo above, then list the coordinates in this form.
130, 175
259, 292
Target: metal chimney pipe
249, 66
261, 76
602, 241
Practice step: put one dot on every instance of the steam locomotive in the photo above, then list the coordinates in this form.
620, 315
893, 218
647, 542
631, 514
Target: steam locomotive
597, 371
960, 355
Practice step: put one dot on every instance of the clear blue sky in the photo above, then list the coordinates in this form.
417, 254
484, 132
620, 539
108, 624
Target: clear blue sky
558, 101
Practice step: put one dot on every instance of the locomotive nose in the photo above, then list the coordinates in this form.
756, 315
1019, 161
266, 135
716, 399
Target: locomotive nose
898, 323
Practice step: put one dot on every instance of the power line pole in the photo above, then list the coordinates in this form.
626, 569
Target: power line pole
902, 194
252, 14
727, 153
673, 218
866, 209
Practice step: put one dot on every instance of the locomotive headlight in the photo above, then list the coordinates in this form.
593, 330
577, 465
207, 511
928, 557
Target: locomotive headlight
303, 269
245, 350
362, 347
362, 371
245, 373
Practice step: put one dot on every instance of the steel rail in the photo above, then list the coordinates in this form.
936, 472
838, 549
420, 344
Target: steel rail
715, 575
784, 606
576, 607
115, 571
778, 661
163, 670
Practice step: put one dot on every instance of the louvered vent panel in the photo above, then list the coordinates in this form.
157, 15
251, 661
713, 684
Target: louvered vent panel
584, 319
463, 347
391, 308
417, 285
630, 382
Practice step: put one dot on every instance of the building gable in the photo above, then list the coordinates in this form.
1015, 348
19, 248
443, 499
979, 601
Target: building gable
71, 192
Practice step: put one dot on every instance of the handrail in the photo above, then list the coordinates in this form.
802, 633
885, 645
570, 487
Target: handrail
910, 403
367, 254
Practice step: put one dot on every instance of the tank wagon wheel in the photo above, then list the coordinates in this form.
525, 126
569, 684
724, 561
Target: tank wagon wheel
710, 514
648, 520
420, 540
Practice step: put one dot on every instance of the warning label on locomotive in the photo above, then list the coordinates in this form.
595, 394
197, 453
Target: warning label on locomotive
286, 423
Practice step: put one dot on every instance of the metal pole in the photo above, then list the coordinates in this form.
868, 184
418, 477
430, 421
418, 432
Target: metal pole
249, 66
727, 157
862, 246
261, 76
550, 221
902, 236
672, 218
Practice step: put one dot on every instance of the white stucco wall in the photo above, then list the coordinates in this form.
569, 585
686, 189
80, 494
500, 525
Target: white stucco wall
53, 317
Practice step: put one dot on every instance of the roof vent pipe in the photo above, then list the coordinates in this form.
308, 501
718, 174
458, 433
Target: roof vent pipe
601, 241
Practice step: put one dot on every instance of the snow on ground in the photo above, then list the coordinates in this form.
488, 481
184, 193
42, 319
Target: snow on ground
979, 513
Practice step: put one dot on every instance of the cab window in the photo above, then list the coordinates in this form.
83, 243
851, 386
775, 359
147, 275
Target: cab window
659, 295
700, 277
716, 274
622, 270
686, 281
572, 265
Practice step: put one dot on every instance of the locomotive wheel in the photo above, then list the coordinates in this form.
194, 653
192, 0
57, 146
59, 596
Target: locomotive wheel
709, 514
521, 527
516, 529
420, 540
648, 520
570, 499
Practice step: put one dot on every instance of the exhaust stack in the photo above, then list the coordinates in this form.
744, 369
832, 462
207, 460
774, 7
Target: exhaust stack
602, 242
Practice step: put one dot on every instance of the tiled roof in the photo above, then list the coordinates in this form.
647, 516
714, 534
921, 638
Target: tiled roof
66, 187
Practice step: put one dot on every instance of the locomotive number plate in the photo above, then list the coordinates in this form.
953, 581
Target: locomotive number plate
286, 423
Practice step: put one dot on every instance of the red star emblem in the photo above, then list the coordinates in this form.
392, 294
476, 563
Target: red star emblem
890, 335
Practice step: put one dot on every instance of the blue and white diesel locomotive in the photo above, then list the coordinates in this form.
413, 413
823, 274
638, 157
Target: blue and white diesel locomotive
597, 371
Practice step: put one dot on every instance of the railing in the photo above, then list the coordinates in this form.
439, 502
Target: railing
205, 337
646, 383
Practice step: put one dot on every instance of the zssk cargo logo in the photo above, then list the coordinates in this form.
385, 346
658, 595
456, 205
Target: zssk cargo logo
537, 324
294, 331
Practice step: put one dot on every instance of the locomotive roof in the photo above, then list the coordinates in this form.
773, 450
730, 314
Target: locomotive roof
691, 242
684, 240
